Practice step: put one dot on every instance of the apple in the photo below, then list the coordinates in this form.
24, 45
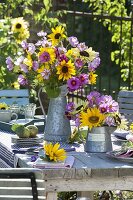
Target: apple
33, 130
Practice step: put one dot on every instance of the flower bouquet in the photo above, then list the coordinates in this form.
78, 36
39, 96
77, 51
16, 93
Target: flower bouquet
54, 60
100, 114
98, 110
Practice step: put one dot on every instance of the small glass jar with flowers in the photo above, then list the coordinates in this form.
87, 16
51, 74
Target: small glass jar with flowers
100, 114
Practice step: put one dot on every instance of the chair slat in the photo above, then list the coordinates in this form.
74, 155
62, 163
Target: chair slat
20, 97
16, 183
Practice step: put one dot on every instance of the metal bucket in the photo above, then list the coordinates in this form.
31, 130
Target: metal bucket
99, 139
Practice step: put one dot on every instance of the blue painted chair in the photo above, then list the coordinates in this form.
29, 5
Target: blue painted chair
20, 97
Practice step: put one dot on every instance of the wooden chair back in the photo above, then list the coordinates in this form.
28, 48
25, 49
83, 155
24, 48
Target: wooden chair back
125, 100
25, 183
20, 97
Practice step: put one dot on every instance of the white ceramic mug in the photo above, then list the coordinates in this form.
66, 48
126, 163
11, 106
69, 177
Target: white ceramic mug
7, 116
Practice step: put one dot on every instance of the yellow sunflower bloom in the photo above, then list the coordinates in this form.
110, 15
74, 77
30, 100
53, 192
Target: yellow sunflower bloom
47, 55
65, 70
53, 152
92, 118
92, 78
20, 28
57, 35
3, 106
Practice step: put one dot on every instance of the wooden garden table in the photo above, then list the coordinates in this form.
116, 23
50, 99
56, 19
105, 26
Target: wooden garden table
90, 172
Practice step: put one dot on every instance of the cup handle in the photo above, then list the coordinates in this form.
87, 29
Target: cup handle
14, 115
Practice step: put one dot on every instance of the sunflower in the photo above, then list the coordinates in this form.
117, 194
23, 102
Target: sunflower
92, 78
91, 118
57, 35
3, 106
20, 28
53, 153
47, 55
65, 70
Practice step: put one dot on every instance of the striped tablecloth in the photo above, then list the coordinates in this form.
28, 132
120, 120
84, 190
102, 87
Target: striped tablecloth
8, 158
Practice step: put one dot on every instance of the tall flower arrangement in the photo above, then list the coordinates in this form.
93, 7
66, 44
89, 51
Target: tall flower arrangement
54, 60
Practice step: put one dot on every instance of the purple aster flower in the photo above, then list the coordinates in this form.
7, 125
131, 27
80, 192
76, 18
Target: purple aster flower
9, 63
63, 57
24, 44
70, 106
44, 57
78, 63
31, 48
73, 83
22, 80
113, 106
82, 46
41, 34
92, 66
93, 98
46, 74
103, 108
110, 121
24, 68
106, 98
83, 79
35, 65
73, 41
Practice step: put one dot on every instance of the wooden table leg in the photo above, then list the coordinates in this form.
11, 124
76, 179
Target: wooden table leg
51, 196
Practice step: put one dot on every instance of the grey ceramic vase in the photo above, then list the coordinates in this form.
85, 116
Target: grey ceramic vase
57, 127
99, 139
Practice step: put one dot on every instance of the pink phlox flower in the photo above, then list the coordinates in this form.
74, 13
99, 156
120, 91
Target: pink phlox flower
82, 46
106, 98
22, 80
110, 121
78, 63
83, 79
46, 73
73, 83
73, 41
35, 65
70, 106
23, 68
